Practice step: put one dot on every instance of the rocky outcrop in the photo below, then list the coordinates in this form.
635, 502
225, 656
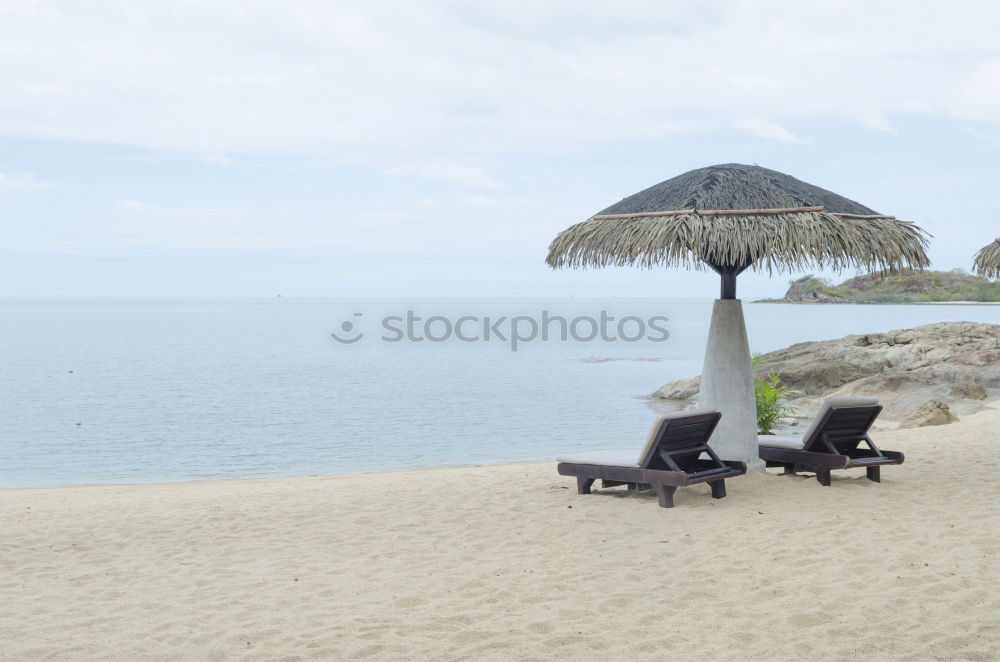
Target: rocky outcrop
957, 363
934, 412
682, 389
812, 290
902, 286
969, 391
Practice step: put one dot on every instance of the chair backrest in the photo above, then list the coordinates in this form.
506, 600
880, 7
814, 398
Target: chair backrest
845, 420
685, 429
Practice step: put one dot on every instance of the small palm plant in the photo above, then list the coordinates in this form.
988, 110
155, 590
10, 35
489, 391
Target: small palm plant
769, 394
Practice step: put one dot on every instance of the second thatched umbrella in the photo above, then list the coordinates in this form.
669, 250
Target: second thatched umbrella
730, 218
987, 262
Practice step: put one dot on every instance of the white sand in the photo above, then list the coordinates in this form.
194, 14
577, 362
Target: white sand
509, 563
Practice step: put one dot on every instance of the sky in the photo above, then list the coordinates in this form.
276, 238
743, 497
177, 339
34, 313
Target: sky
435, 148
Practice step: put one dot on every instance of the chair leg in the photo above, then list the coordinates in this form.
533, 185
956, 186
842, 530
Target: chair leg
790, 469
665, 493
633, 487
583, 485
874, 474
823, 476
718, 489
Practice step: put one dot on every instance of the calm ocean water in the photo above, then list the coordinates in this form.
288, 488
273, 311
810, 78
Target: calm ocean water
169, 389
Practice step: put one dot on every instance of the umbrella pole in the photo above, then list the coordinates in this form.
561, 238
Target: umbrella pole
728, 274
728, 285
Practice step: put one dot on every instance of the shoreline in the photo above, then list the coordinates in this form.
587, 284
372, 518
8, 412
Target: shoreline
883, 424
289, 477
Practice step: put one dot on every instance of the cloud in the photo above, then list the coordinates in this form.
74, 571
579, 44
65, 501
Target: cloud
215, 159
753, 82
979, 98
130, 206
768, 130
381, 82
17, 183
470, 176
369, 131
178, 227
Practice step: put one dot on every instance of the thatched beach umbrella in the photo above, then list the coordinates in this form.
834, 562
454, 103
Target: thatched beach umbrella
987, 262
730, 218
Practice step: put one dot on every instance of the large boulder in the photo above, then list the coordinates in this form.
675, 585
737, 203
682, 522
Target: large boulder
969, 391
815, 377
957, 363
934, 412
682, 389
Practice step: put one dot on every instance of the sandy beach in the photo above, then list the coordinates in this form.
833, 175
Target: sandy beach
507, 562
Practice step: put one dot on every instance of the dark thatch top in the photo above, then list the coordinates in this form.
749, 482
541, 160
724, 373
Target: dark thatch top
987, 262
733, 186
781, 223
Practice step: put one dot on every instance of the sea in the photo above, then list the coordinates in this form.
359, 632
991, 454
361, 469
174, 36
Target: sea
96, 391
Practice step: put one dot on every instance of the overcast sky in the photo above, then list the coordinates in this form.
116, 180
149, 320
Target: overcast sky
435, 148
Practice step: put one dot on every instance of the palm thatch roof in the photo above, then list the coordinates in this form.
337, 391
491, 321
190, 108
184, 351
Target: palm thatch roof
987, 262
738, 215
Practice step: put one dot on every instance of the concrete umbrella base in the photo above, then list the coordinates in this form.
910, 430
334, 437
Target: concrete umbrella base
727, 385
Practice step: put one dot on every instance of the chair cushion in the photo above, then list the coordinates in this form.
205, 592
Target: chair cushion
778, 441
654, 432
837, 401
624, 458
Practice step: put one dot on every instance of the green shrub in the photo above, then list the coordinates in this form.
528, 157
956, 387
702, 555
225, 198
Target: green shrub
769, 394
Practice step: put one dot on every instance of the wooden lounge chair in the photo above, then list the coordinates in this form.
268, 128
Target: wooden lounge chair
671, 458
833, 441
